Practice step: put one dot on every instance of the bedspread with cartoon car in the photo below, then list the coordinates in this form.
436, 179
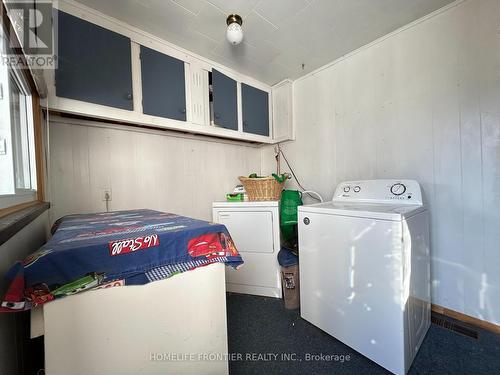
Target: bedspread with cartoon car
103, 250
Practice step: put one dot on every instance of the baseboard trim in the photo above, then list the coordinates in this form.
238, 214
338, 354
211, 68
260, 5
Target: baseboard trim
255, 290
466, 318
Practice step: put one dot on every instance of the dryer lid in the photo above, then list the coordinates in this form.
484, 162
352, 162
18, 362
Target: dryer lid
393, 212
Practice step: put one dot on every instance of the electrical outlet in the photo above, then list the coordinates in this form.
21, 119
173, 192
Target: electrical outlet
106, 195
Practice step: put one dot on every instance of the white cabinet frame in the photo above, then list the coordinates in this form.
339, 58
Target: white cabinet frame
138, 38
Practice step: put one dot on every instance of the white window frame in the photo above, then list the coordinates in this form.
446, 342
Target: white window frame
22, 195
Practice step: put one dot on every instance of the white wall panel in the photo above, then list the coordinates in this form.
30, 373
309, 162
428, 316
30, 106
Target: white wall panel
23, 243
425, 104
141, 169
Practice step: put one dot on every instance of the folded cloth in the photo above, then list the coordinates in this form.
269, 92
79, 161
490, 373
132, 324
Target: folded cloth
101, 250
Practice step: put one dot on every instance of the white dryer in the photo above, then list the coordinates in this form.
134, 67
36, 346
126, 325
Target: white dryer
365, 270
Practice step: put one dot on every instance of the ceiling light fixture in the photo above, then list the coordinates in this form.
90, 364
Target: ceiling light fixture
234, 33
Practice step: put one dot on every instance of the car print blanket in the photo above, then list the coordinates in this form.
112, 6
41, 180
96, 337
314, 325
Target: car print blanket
102, 250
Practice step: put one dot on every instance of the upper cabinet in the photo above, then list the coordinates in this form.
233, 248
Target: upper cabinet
163, 85
94, 64
109, 70
255, 108
282, 95
225, 100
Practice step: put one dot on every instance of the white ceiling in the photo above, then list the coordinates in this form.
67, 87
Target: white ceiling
280, 35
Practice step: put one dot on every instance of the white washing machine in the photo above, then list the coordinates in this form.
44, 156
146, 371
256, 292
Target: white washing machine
365, 270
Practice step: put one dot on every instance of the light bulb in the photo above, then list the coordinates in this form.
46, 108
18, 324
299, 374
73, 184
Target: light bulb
234, 33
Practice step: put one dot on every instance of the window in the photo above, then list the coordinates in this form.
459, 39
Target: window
18, 180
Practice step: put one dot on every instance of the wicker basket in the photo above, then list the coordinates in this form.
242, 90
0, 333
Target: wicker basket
262, 188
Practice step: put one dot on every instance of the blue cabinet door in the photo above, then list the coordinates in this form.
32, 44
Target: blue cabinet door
225, 102
163, 85
255, 106
94, 64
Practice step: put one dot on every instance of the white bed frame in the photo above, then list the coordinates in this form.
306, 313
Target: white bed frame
166, 327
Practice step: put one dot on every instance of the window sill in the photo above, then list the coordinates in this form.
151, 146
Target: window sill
12, 223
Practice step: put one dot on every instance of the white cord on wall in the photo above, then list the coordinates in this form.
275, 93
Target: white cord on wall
320, 198
279, 151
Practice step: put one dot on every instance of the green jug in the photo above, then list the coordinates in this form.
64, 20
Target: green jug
289, 203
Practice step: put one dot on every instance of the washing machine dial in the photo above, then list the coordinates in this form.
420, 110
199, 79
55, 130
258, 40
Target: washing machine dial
357, 189
398, 189
347, 189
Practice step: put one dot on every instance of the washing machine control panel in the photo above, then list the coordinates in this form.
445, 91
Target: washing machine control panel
379, 191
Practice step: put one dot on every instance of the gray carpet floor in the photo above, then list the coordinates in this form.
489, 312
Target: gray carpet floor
260, 328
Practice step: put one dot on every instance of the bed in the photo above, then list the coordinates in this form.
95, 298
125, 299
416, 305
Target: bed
125, 313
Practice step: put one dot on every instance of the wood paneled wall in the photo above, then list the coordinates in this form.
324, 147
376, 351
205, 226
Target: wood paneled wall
143, 169
423, 103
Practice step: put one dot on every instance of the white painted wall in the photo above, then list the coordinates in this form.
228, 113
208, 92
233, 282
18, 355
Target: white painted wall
423, 103
23, 243
143, 169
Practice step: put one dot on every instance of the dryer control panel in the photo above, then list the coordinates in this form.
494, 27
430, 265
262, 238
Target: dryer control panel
379, 191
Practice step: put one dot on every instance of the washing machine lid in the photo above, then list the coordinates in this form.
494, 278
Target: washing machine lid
393, 212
